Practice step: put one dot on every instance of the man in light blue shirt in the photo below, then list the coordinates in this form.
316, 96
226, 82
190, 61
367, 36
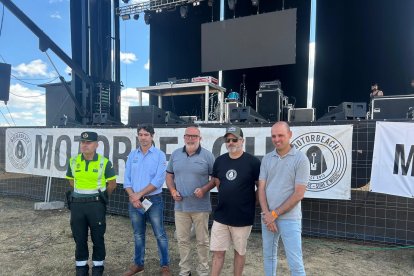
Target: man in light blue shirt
143, 179
284, 175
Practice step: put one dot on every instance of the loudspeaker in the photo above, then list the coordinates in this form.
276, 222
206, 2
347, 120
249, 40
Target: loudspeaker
172, 118
228, 107
269, 104
346, 111
5, 73
145, 115
99, 118
245, 114
301, 115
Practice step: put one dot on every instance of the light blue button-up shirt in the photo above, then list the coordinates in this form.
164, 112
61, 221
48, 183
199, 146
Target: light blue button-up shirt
143, 169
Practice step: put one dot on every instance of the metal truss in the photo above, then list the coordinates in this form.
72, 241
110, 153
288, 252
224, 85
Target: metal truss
153, 5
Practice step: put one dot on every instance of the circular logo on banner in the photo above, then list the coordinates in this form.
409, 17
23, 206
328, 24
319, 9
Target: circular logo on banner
19, 150
327, 158
231, 175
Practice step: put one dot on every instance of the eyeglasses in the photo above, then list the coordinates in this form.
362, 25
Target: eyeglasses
234, 140
189, 136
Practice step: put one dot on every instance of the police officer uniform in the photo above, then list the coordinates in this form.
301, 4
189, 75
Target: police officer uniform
87, 204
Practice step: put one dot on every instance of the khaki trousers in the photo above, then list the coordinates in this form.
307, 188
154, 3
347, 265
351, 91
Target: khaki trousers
183, 223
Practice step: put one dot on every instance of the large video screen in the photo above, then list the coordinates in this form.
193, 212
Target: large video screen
267, 39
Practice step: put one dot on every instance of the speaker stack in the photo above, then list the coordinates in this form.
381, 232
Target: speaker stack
269, 100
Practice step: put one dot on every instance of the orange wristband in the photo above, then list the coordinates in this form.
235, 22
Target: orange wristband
274, 214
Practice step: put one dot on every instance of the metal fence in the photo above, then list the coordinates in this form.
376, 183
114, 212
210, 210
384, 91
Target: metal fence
367, 217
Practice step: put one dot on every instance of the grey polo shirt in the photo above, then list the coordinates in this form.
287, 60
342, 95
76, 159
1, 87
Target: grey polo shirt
281, 175
190, 173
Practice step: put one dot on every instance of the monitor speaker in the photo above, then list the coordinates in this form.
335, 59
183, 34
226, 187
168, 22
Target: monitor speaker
5, 73
245, 114
145, 115
346, 111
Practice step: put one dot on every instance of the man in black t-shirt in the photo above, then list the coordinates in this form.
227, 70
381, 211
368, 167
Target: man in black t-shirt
235, 174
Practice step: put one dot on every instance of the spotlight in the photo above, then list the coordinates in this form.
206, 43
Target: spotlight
147, 18
196, 3
232, 4
125, 1
210, 3
255, 3
184, 11
126, 17
136, 16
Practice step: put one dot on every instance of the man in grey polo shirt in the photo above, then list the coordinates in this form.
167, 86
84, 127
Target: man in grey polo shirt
284, 175
187, 179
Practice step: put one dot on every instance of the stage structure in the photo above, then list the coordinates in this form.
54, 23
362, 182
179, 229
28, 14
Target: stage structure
181, 44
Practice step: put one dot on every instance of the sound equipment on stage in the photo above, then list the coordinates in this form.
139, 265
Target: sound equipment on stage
270, 85
172, 118
346, 111
301, 115
391, 107
5, 73
269, 104
245, 114
145, 115
228, 106
189, 119
177, 81
208, 79
285, 112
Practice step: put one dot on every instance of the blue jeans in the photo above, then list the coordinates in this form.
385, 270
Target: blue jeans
290, 230
155, 215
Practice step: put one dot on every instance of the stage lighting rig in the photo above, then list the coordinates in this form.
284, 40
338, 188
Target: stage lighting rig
184, 11
147, 17
126, 16
255, 3
136, 16
154, 6
232, 4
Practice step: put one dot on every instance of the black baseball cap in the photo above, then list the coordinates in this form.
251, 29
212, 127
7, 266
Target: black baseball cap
89, 136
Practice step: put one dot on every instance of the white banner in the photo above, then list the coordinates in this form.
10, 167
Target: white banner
393, 159
329, 150
46, 151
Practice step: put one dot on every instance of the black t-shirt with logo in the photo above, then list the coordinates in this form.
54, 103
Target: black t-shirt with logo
236, 195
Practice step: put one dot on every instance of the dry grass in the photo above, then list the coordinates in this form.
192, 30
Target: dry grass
40, 243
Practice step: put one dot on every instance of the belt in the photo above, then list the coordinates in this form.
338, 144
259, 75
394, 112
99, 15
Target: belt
86, 199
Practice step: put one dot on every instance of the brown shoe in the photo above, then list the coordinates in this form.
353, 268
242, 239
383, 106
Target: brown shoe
165, 271
133, 269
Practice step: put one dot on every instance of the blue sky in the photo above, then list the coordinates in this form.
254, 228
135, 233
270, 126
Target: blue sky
31, 67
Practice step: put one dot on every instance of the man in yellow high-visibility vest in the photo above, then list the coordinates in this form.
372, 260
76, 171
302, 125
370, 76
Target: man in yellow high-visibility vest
93, 179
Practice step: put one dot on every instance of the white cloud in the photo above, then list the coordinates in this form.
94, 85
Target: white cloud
128, 58
147, 65
33, 69
27, 107
129, 97
68, 70
56, 15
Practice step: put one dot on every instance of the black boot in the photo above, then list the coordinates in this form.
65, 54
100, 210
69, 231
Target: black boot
82, 270
97, 270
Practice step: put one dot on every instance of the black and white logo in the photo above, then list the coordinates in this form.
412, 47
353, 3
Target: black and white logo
231, 175
19, 150
327, 157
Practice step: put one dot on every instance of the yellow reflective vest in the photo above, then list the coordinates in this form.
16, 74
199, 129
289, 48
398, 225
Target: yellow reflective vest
88, 181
